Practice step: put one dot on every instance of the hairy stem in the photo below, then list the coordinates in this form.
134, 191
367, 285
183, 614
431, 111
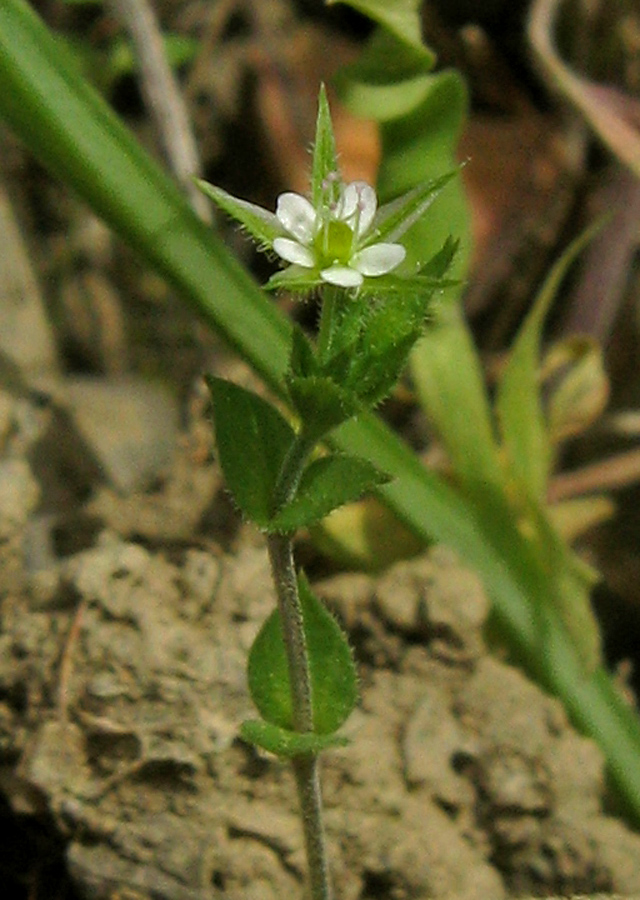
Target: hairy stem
305, 767
306, 771
286, 583
280, 547
292, 469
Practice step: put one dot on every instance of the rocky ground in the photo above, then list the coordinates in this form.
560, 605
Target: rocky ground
122, 684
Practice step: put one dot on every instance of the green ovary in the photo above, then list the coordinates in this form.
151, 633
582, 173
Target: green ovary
334, 244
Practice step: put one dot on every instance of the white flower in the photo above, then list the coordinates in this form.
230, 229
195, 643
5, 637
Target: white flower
333, 239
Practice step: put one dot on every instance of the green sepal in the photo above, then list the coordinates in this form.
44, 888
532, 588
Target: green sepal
296, 280
326, 484
252, 440
288, 744
325, 185
395, 218
321, 403
334, 683
263, 226
441, 261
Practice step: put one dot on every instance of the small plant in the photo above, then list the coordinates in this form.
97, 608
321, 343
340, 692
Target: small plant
339, 245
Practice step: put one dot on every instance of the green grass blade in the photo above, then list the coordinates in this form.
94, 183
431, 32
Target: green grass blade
74, 133
518, 402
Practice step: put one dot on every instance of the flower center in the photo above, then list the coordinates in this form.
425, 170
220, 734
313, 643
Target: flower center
334, 243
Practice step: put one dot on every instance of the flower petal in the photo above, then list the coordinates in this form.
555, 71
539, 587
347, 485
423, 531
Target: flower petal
359, 204
378, 259
293, 252
297, 215
342, 276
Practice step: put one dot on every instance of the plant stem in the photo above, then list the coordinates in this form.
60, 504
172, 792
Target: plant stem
280, 548
292, 467
305, 767
306, 771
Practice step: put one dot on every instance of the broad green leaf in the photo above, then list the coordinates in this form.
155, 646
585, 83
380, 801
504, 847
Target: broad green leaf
262, 225
252, 440
518, 402
376, 377
324, 168
383, 350
321, 404
400, 17
285, 743
389, 80
326, 484
334, 684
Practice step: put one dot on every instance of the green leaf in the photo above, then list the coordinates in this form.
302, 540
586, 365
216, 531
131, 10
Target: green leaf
376, 376
263, 226
285, 743
326, 484
392, 330
389, 79
324, 183
321, 404
518, 402
400, 17
334, 684
252, 439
